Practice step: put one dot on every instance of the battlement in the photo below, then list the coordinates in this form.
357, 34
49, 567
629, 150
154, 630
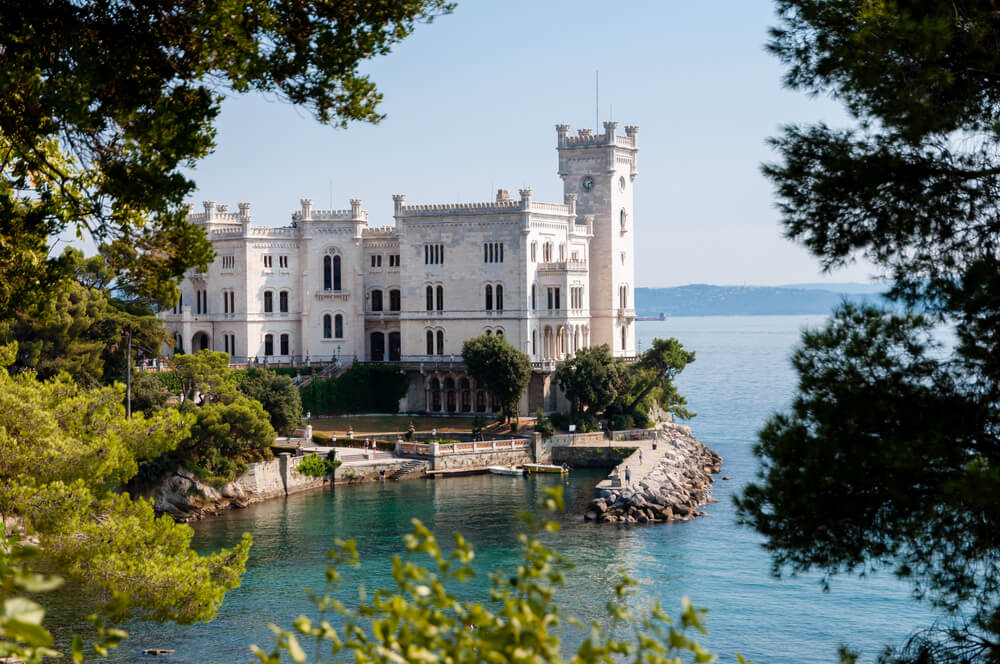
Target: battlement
586, 138
503, 205
379, 231
217, 212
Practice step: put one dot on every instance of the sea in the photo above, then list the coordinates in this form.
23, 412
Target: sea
741, 375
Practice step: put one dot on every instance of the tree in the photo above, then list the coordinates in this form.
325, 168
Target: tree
81, 328
205, 377
148, 394
591, 380
502, 369
102, 105
64, 451
279, 397
225, 436
888, 456
654, 373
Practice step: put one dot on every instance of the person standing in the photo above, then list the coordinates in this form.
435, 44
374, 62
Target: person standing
628, 476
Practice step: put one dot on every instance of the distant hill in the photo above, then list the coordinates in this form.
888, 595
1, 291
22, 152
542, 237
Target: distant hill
706, 300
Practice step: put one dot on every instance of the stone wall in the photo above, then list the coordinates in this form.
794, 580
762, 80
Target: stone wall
590, 457
482, 459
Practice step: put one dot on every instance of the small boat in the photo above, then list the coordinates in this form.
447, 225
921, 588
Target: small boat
505, 470
545, 468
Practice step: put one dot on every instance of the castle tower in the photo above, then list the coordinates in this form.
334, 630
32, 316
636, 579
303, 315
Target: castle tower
600, 171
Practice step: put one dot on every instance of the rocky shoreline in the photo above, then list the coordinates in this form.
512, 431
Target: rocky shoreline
185, 498
673, 486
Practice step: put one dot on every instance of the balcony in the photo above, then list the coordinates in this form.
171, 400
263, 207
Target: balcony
571, 265
333, 295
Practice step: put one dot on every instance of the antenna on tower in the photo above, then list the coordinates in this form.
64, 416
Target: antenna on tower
331, 193
597, 98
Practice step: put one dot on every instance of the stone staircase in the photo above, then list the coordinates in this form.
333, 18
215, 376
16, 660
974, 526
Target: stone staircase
407, 468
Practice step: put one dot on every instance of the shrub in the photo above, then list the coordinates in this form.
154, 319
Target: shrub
543, 425
315, 466
559, 420
320, 437
621, 421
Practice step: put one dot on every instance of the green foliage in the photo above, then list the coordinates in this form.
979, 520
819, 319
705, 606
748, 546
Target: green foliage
81, 329
543, 425
170, 380
148, 394
102, 109
501, 368
277, 395
621, 421
315, 466
890, 454
205, 376
652, 377
364, 388
225, 436
421, 619
64, 450
592, 379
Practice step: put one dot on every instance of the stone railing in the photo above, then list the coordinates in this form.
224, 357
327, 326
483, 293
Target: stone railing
563, 266
471, 447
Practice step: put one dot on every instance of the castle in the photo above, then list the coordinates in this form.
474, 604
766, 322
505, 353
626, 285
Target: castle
550, 277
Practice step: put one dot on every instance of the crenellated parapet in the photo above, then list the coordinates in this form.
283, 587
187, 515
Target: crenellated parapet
217, 213
586, 138
503, 205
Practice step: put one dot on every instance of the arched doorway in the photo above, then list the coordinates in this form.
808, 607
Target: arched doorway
378, 347
394, 347
449, 394
200, 341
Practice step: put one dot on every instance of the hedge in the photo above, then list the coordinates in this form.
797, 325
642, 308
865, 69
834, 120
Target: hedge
364, 388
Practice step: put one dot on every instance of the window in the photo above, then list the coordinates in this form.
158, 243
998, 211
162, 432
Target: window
623, 337
229, 342
228, 302
282, 261
500, 332
534, 251
554, 298
562, 252
440, 298
284, 344
228, 262
623, 296
201, 302
493, 252
430, 342
489, 297
268, 302
336, 273
499, 297
394, 300
393, 260
488, 333
178, 343
377, 261
376, 300
430, 298
534, 339
547, 252
440, 340
327, 326
268, 344
267, 260
283, 302
327, 273
533, 289
433, 254
338, 326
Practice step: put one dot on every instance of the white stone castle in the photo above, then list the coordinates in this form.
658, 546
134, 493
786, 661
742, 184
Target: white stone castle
550, 277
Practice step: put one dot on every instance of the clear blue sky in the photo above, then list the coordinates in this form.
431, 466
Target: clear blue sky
472, 100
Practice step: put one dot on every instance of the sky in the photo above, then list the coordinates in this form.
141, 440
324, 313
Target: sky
472, 100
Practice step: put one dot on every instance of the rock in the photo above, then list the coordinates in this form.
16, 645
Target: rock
590, 515
599, 506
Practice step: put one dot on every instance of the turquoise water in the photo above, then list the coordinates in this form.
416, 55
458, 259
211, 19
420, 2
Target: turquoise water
740, 376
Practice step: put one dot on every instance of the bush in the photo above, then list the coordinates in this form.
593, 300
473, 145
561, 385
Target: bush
621, 421
543, 425
364, 388
559, 420
320, 437
315, 466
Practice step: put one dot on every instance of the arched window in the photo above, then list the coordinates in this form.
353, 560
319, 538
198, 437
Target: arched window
534, 339
268, 302
499, 297
430, 298
284, 344
623, 337
268, 344
533, 289
327, 326
488, 333
394, 300
489, 297
376, 300
327, 273
338, 326
440, 344
440, 298
534, 251
430, 342
336, 273
283, 302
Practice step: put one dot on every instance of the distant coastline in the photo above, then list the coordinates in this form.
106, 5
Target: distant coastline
708, 300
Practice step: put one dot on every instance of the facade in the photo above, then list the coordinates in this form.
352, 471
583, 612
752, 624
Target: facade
550, 277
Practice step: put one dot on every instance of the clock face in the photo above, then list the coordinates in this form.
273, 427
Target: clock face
588, 183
